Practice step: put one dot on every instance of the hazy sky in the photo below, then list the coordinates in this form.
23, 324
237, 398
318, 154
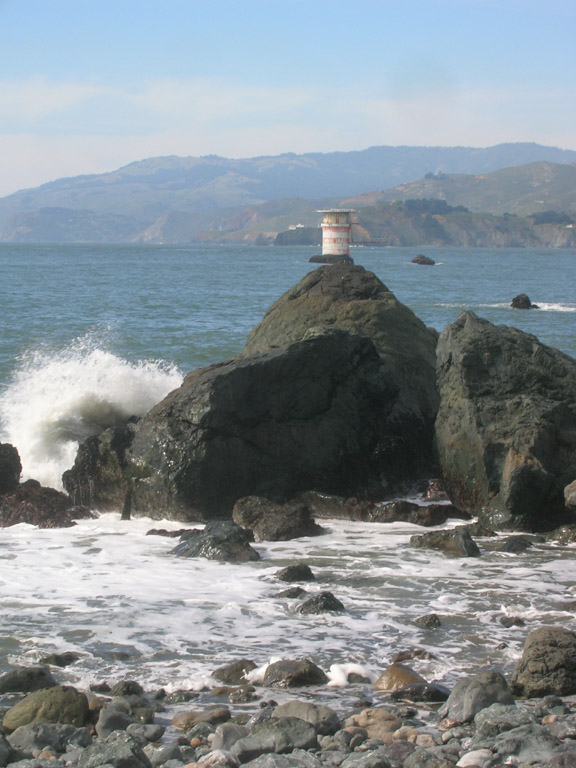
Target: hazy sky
87, 86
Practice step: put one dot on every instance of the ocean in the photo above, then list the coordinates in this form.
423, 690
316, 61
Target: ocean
92, 334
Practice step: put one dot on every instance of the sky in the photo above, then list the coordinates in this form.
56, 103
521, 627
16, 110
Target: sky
87, 86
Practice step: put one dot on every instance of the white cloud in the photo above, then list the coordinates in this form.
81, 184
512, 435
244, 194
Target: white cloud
36, 97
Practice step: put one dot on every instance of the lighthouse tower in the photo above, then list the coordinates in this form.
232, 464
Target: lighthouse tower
336, 226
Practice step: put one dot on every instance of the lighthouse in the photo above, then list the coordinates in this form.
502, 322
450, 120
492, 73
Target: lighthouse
336, 226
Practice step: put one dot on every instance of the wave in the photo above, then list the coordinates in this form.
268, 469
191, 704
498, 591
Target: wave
544, 306
57, 399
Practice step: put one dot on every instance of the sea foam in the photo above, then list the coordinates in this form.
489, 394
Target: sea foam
56, 399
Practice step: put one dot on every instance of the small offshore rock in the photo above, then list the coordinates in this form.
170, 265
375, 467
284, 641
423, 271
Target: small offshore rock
455, 543
292, 674
522, 301
423, 260
511, 621
470, 695
430, 621
547, 665
61, 659
235, 672
292, 592
514, 544
296, 572
26, 680
324, 602
224, 541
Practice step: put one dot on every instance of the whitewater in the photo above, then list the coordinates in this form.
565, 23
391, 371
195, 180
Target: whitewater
94, 334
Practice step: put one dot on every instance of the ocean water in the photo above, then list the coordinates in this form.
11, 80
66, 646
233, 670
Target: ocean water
91, 334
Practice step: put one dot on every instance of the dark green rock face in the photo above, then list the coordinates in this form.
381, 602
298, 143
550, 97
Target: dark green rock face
506, 426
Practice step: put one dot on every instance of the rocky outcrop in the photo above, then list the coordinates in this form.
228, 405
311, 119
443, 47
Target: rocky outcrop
312, 415
506, 426
423, 260
353, 299
454, 543
274, 522
44, 507
10, 468
547, 665
522, 301
220, 540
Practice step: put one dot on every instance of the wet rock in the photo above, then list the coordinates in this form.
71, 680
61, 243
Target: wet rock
292, 593
279, 735
220, 540
522, 301
274, 522
506, 426
570, 496
409, 512
44, 507
423, 260
421, 692
397, 676
514, 545
127, 688
184, 721
10, 468
235, 672
455, 543
293, 674
565, 534
243, 428
511, 621
26, 680
296, 572
411, 653
430, 621
58, 704
547, 665
61, 659
120, 750
323, 718
31, 739
470, 695
324, 602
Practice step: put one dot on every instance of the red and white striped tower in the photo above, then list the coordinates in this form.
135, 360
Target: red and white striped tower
336, 226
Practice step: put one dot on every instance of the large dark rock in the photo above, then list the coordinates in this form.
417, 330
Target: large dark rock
310, 415
274, 522
454, 543
44, 507
26, 680
351, 298
293, 674
10, 468
547, 665
506, 427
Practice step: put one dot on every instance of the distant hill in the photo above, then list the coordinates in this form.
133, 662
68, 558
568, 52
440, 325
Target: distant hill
145, 190
521, 190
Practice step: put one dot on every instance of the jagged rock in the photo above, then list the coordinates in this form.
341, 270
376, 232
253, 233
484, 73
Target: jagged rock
10, 468
274, 522
44, 507
455, 543
323, 602
243, 428
521, 302
295, 572
26, 680
220, 540
235, 672
506, 426
322, 717
120, 750
470, 695
58, 704
292, 674
32, 738
353, 299
420, 258
547, 665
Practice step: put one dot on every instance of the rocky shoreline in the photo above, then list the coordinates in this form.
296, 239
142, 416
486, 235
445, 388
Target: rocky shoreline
398, 721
